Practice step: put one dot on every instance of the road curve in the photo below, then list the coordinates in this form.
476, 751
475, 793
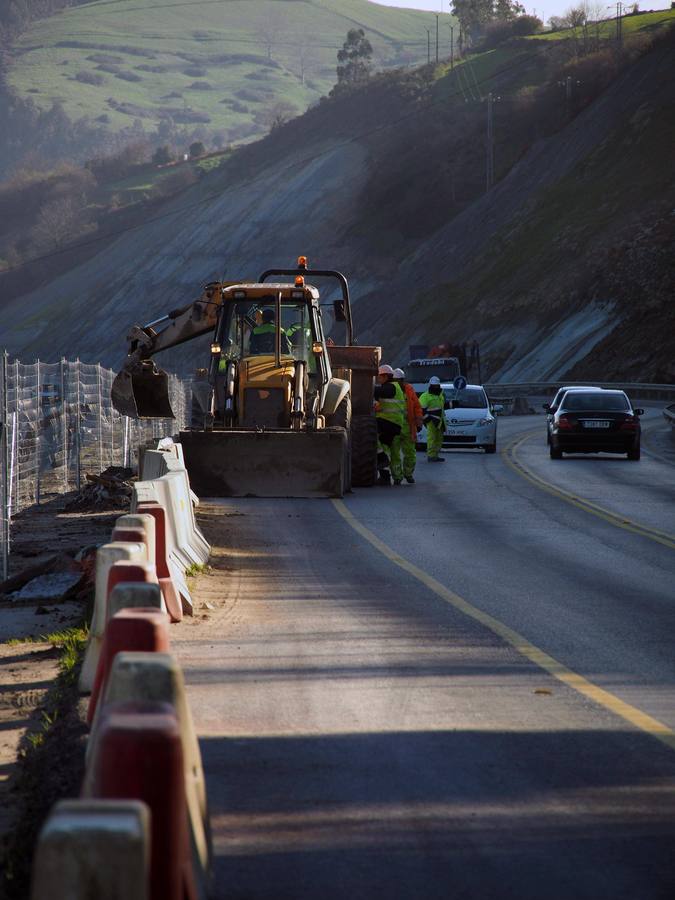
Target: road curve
367, 723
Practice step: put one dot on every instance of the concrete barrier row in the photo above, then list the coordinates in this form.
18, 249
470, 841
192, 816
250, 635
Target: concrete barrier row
141, 827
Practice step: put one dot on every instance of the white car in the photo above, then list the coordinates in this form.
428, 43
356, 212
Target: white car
470, 420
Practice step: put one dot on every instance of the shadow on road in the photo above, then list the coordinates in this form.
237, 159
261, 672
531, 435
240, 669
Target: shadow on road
443, 814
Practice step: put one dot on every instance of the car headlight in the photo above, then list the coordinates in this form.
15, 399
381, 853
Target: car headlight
488, 421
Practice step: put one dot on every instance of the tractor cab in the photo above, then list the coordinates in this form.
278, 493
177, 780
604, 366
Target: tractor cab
269, 367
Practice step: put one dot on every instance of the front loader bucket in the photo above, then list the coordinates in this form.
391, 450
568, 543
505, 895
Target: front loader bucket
142, 392
282, 463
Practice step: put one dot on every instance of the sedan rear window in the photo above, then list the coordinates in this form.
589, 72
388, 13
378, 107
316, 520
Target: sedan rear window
602, 400
469, 398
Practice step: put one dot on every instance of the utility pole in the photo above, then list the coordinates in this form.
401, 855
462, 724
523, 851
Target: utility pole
490, 148
436, 38
428, 46
619, 23
452, 47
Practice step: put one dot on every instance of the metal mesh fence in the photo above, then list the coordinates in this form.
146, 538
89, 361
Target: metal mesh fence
58, 423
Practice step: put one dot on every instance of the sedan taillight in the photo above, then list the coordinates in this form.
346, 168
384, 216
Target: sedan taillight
564, 423
629, 424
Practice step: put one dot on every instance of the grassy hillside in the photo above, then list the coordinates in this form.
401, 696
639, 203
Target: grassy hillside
222, 64
630, 24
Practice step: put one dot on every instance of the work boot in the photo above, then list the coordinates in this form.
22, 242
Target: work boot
436, 459
384, 478
397, 480
410, 479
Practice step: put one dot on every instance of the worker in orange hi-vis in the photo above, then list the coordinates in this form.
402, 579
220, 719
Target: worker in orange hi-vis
413, 423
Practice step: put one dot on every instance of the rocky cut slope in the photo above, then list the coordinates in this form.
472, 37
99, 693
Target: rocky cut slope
561, 267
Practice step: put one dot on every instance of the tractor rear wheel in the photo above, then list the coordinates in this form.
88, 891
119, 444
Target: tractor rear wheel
364, 451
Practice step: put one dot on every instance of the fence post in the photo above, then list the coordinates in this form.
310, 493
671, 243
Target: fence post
37, 431
4, 462
100, 419
64, 424
125, 460
17, 486
78, 428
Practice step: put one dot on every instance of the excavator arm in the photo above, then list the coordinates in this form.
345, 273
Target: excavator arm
141, 388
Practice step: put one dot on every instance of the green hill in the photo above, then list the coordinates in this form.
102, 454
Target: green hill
225, 64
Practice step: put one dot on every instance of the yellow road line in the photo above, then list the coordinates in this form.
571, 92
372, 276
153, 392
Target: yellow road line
604, 698
510, 457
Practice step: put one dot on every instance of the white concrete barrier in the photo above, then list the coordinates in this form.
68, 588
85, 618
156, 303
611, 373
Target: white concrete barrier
199, 545
135, 595
157, 464
106, 556
93, 848
144, 522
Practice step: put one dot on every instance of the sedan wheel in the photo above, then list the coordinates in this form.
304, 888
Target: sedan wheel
634, 453
554, 452
491, 448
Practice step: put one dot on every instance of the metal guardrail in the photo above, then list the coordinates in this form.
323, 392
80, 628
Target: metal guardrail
669, 415
637, 390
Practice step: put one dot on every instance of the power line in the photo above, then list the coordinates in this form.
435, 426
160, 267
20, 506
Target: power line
247, 182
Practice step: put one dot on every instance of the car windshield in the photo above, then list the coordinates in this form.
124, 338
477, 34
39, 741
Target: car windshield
420, 370
469, 398
561, 393
583, 401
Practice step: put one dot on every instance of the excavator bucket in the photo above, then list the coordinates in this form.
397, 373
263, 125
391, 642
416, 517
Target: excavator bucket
142, 391
283, 463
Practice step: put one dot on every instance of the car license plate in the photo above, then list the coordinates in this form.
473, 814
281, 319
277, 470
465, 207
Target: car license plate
455, 431
595, 423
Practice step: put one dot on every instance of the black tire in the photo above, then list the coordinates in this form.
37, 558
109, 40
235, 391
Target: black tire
342, 418
364, 451
491, 448
554, 452
634, 453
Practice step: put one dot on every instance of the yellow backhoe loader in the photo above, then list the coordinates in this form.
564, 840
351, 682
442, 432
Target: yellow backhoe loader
279, 411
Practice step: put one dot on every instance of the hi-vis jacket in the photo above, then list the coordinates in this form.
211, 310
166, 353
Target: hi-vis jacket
433, 406
393, 409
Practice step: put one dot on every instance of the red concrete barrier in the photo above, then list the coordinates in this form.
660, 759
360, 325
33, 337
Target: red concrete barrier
139, 756
130, 629
124, 571
136, 535
171, 596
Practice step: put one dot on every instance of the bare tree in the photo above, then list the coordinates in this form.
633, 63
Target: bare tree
276, 116
270, 32
57, 223
596, 12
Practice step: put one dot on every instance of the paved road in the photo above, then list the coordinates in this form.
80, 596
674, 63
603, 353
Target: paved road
461, 688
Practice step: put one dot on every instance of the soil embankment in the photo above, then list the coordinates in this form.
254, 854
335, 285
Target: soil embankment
527, 269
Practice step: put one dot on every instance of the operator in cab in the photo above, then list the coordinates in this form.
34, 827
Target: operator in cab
263, 336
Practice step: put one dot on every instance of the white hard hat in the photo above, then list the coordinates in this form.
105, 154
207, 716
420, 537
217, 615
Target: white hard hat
385, 370
399, 373
434, 379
